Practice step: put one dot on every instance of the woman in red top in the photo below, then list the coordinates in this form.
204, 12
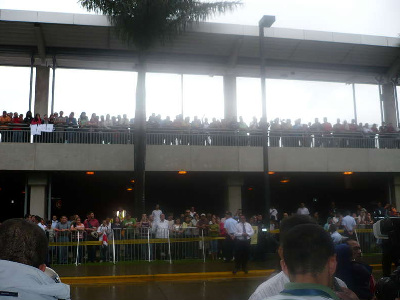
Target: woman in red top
36, 120
17, 134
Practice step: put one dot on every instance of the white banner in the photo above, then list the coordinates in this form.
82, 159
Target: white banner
38, 129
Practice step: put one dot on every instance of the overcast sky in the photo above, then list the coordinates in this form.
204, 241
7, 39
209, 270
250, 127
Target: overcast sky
95, 91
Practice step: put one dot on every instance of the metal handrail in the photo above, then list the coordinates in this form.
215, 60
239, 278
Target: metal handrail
204, 137
57, 127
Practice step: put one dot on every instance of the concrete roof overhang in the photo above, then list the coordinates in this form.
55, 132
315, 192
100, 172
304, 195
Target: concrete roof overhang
88, 42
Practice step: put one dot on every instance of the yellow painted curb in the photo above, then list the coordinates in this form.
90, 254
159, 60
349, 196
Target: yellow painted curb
124, 279
162, 277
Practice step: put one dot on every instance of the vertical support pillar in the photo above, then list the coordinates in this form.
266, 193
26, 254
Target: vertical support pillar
49, 198
234, 194
26, 198
396, 98
31, 83
230, 101
53, 84
355, 103
182, 95
42, 90
381, 102
396, 187
38, 186
389, 104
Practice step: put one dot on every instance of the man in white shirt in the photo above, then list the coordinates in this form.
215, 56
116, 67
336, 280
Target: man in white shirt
192, 212
276, 284
161, 229
310, 262
243, 233
38, 222
335, 235
54, 222
23, 252
157, 213
230, 226
273, 213
349, 224
303, 210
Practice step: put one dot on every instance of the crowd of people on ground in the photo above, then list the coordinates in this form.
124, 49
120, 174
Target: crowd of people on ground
191, 224
301, 232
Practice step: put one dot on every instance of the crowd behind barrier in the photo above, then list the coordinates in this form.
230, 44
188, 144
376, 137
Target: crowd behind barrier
181, 131
201, 236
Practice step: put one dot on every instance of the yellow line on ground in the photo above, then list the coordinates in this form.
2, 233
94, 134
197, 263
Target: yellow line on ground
118, 279
162, 277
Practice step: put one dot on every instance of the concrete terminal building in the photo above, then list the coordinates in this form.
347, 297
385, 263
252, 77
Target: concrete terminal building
219, 177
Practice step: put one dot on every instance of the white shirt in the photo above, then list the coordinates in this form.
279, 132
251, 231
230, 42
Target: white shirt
156, 214
171, 223
54, 223
303, 211
104, 230
239, 231
42, 226
349, 223
161, 229
336, 237
273, 212
273, 286
366, 130
230, 225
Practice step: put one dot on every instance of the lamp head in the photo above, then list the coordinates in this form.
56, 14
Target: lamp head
266, 21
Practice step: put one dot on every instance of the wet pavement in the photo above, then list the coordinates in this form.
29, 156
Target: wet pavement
158, 267
224, 289
186, 286
221, 288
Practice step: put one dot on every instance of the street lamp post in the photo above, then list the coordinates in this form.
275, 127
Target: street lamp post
265, 22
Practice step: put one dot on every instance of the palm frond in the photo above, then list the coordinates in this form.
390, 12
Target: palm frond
143, 22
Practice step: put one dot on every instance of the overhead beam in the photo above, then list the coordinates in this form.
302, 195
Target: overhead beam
41, 45
233, 57
394, 70
195, 64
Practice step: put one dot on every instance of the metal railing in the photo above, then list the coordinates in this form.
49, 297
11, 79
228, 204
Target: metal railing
366, 239
128, 244
209, 137
149, 244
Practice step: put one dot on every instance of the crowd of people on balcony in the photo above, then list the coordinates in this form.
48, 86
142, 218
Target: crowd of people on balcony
184, 131
180, 122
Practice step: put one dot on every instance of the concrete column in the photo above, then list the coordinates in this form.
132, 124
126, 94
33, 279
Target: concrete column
230, 102
42, 90
389, 104
38, 201
234, 194
397, 192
